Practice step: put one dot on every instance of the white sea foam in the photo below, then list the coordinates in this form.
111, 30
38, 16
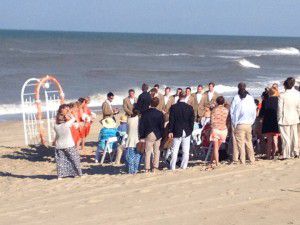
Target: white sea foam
288, 51
97, 100
247, 64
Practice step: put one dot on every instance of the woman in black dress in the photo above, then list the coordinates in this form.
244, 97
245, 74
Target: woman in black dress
270, 124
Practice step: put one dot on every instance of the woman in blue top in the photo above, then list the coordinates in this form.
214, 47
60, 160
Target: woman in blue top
109, 130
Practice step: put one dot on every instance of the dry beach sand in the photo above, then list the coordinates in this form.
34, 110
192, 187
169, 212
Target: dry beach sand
265, 193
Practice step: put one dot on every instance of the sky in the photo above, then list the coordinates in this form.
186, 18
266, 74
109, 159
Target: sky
215, 17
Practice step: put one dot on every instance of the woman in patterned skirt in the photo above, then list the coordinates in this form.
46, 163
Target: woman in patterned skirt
66, 154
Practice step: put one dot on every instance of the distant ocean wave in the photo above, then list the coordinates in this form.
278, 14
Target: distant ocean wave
157, 54
247, 64
44, 52
289, 51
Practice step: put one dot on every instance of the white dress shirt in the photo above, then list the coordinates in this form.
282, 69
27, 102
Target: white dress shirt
199, 97
131, 100
243, 111
176, 99
187, 99
166, 98
210, 95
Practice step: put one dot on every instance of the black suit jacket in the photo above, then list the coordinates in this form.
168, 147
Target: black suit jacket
152, 120
143, 102
181, 119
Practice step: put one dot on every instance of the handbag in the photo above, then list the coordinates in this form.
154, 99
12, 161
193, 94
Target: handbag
140, 146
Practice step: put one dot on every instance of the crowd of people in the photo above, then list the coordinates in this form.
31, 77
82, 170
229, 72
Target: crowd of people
154, 123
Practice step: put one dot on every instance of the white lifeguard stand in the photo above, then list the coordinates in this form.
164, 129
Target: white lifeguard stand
40, 101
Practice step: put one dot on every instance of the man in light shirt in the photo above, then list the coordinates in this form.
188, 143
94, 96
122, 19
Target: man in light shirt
107, 109
167, 103
176, 96
128, 102
243, 115
166, 96
208, 102
197, 99
160, 97
288, 119
189, 97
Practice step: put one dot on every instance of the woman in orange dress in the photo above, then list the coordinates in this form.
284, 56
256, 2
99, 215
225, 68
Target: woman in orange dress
75, 127
88, 116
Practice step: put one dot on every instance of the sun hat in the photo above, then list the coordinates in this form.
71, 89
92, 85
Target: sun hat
123, 119
109, 123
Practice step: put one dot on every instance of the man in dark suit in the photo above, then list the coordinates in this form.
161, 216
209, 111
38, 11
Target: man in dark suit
181, 127
151, 128
144, 99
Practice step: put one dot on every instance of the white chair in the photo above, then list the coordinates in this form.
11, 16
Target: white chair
108, 149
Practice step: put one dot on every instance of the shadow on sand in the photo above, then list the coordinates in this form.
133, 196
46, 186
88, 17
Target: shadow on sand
33, 153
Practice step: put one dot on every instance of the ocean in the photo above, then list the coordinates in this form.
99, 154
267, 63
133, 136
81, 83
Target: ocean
92, 64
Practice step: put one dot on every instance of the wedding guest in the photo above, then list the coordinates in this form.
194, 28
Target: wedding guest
189, 99
75, 126
288, 118
208, 101
109, 130
133, 156
128, 102
180, 129
197, 100
219, 118
151, 128
66, 154
243, 115
86, 119
144, 99
122, 133
160, 97
172, 100
82, 122
276, 88
88, 115
270, 123
107, 109
167, 102
176, 96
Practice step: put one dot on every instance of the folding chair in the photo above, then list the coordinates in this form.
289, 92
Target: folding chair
108, 148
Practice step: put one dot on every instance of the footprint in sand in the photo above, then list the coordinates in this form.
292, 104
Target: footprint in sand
93, 201
230, 192
43, 211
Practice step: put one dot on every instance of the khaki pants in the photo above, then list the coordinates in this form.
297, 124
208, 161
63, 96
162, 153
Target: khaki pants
289, 137
243, 135
119, 154
152, 147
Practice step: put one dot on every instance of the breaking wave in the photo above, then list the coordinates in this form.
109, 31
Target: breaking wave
289, 51
247, 64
